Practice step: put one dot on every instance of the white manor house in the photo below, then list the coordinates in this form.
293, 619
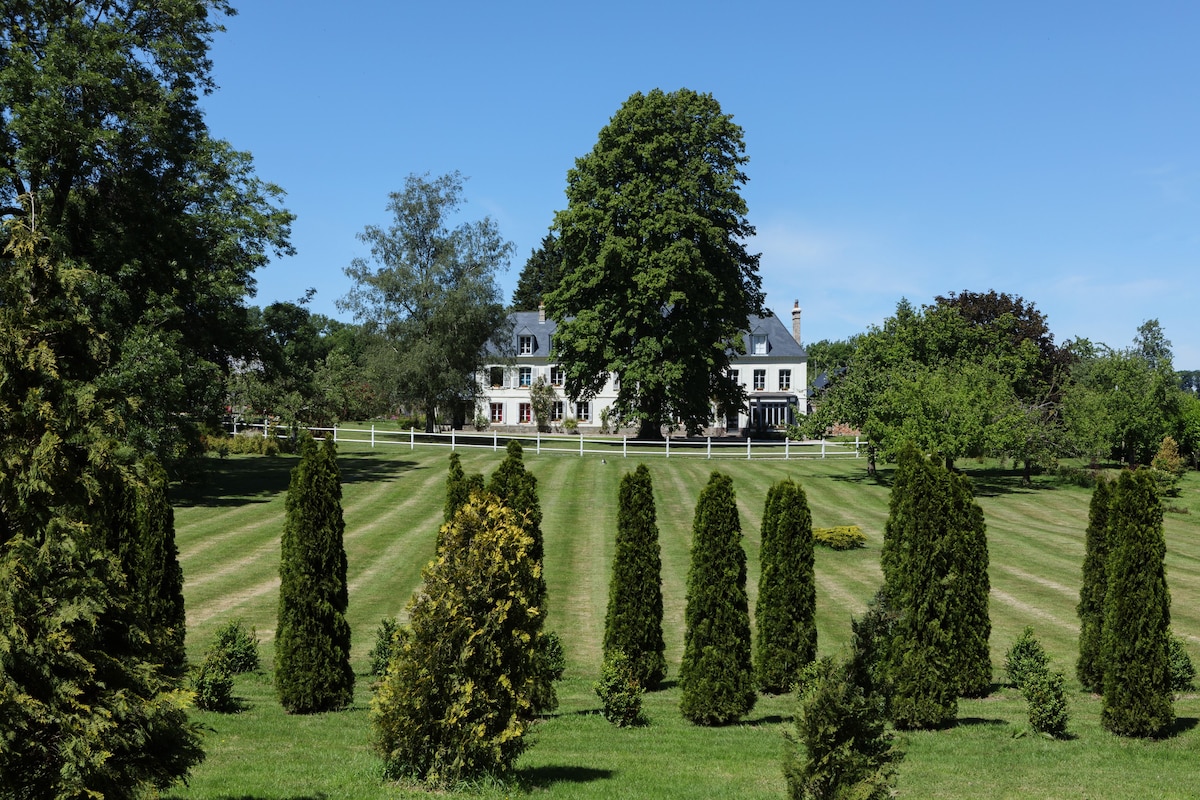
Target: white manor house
773, 371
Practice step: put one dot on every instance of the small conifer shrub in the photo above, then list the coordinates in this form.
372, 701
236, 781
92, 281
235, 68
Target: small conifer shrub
620, 691
1025, 657
237, 646
787, 595
1183, 671
385, 645
1046, 695
213, 684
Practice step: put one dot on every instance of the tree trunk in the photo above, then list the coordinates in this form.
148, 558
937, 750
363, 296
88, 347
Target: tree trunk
650, 430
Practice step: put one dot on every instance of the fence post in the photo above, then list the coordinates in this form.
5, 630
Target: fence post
335, 433
857, 454
668, 446
412, 438
539, 443
823, 441
235, 425
452, 440
581, 445
624, 447
265, 426
372, 435
495, 441
747, 448
708, 449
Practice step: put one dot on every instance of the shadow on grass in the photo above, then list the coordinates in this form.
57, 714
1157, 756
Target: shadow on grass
968, 722
1182, 725
770, 719
317, 796
240, 480
545, 777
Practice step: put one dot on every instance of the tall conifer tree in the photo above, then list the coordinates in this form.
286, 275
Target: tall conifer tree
717, 676
787, 595
160, 582
1137, 613
1090, 668
312, 642
633, 624
967, 534
917, 559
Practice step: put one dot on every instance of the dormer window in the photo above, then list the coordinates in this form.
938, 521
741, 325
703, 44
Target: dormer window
525, 345
758, 344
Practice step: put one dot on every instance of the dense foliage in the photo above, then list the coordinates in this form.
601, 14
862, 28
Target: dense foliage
1025, 657
312, 640
237, 646
657, 282
85, 707
156, 577
717, 676
1137, 613
633, 624
620, 691
785, 613
457, 699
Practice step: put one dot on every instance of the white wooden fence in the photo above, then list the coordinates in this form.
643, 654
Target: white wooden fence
579, 445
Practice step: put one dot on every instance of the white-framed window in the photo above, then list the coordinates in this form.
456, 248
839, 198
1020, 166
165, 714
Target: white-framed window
526, 412
496, 375
557, 376
758, 344
556, 411
760, 380
731, 420
785, 380
497, 412
733, 375
525, 375
525, 345
583, 411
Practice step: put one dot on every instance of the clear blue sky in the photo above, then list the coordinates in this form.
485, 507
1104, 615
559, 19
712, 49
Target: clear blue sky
897, 149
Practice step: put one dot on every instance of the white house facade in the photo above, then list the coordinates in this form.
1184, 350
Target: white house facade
773, 371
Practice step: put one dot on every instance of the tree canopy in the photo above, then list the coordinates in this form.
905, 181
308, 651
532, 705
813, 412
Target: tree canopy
657, 281
429, 294
102, 132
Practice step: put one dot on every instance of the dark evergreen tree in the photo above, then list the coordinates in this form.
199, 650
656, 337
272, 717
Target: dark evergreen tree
716, 676
917, 560
1137, 613
787, 594
85, 709
633, 623
312, 641
540, 275
1090, 669
457, 491
457, 698
160, 579
513, 486
967, 535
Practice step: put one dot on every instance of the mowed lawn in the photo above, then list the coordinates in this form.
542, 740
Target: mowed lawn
228, 536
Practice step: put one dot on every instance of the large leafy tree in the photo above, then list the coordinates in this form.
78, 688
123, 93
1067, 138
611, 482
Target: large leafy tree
101, 129
312, 639
716, 675
634, 620
657, 281
85, 708
429, 293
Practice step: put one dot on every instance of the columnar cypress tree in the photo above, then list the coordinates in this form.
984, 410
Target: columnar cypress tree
1089, 668
633, 623
717, 677
458, 696
787, 594
312, 641
921, 658
457, 491
513, 486
160, 583
967, 533
1137, 613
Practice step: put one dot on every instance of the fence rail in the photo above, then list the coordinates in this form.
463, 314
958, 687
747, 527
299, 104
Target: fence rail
578, 445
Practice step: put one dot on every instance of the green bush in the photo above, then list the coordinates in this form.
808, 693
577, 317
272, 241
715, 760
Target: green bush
386, 644
1046, 694
213, 684
840, 748
786, 629
620, 691
1183, 671
237, 646
1026, 657
840, 537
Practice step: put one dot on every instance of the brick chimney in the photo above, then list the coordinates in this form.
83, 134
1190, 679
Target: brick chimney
541, 312
796, 322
